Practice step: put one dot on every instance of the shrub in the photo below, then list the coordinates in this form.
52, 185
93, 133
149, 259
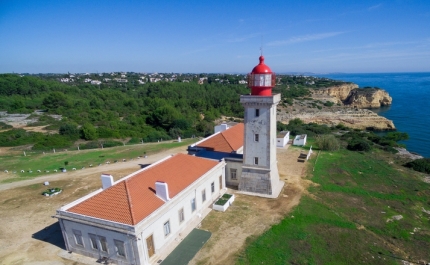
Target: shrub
328, 104
357, 144
328, 142
420, 165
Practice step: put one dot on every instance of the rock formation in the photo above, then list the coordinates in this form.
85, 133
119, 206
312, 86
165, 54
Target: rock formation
353, 118
349, 94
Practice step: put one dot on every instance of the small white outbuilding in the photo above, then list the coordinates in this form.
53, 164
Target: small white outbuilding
282, 138
300, 139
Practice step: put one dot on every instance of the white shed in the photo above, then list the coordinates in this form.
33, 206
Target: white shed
300, 139
282, 138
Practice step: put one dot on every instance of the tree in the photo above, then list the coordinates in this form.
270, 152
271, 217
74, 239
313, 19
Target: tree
70, 130
328, 142
357, 144
55, 100
88, 132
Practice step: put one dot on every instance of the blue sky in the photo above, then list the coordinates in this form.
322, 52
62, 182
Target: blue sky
38, 36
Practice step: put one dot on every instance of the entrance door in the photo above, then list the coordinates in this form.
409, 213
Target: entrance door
220, 182
150, 245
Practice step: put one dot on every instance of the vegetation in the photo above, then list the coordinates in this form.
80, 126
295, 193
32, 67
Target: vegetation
49, 162
421, 165
128, 105
328, 143
347, 218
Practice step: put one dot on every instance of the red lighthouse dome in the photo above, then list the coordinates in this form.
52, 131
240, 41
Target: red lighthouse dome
261, 80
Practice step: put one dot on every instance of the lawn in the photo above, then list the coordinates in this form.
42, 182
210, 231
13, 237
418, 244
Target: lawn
345, 217
77, 159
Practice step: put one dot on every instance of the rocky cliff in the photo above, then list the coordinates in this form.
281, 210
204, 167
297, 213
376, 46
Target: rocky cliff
350, 95
353, 118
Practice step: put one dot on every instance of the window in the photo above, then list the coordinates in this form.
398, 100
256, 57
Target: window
119, 247
233, 173
78, 237
181, 215
256, 137
255, 160
103, 243
203, 195
93, 241
167, 228
257, 112
213, 187
193, 204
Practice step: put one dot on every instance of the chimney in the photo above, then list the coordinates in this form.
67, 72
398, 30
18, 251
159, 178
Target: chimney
107, 180
162, 190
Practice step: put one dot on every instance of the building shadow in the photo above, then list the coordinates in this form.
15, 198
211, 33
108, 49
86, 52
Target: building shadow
51, 234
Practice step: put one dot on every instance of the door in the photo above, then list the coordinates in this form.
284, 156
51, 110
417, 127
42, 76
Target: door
150, 245
220, 182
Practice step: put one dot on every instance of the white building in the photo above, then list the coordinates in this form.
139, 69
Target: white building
282, 138
135, 219
300, 140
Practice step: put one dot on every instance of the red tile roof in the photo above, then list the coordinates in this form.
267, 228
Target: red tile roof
131, 200
227, 141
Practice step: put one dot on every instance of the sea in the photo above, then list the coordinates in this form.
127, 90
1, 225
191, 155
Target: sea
410, 109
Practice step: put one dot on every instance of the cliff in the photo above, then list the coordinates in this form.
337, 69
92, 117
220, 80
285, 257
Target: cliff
353, 118
351, 95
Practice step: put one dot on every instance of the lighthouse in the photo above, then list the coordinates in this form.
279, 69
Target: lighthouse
259, 169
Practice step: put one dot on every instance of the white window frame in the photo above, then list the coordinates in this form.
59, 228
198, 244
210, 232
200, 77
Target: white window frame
166, 228
93, 241
119, 248
233, 173
193, 204
203, 195
181, 215
79, 241
103, 244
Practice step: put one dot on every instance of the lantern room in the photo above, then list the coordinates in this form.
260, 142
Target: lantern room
261, 80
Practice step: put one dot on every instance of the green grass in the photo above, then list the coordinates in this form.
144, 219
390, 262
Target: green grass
77, 159
344, 221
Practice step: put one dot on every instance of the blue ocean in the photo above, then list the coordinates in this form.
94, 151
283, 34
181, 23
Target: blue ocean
410, 110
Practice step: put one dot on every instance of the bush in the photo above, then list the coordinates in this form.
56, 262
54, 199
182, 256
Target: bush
420, 165
356, 144
107, 144
89, 145
341, 126
328, 142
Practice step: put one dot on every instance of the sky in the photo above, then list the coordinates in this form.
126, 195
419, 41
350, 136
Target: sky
223, 36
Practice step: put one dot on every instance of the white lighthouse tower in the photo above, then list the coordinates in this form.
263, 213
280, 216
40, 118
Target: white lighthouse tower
260, 170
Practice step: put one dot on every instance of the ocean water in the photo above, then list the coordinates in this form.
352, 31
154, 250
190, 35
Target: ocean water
410, 109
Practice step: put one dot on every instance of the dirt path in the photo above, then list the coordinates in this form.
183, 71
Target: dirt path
250, 216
